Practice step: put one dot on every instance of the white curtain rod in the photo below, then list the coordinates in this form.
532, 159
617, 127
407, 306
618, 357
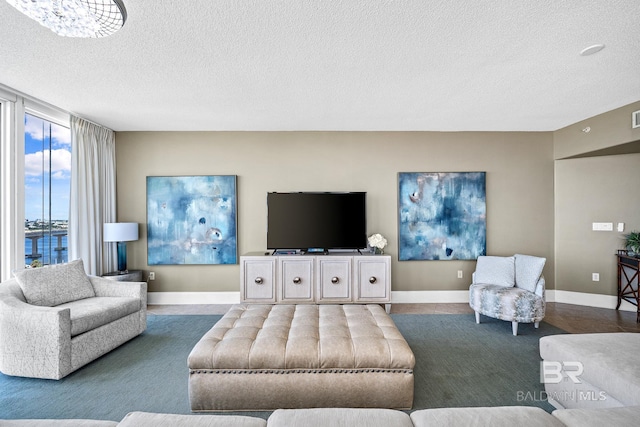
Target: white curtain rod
92, 122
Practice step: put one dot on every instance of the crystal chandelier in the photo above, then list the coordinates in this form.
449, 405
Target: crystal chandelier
75, 18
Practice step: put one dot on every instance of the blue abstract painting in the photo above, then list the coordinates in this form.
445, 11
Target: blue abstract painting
442, 215
191, 220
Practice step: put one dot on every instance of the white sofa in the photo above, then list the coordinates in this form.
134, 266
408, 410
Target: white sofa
504, 416
56, 319
598, 370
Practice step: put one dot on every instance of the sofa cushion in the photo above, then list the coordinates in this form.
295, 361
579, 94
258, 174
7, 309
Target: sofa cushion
495, 270
304, 337
353, 417
147, 419
57, 284
498, 416
510, 304
528, 271
625, 416
609, 361
75, 422
91, 313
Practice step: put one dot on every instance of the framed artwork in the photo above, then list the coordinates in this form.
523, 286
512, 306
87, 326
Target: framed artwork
441, 215
191, 220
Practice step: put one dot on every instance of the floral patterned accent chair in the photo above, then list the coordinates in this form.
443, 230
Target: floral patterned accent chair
509, 288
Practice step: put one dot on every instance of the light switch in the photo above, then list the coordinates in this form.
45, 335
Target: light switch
621, 227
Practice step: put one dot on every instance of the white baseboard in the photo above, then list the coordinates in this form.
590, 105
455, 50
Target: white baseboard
426, 297
592, 300
169, 298
397, 297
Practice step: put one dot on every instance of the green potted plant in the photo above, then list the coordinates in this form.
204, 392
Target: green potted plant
632, 242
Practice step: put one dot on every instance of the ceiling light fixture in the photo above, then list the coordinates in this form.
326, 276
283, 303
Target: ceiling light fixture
75, 18
591, 50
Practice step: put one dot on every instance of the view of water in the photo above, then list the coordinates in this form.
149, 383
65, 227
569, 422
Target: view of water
47, 250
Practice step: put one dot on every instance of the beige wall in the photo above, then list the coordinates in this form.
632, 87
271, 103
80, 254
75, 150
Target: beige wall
519, 166
606, 130
595, 189
599, 188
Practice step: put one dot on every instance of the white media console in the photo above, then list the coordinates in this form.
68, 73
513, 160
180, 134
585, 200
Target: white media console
335, 278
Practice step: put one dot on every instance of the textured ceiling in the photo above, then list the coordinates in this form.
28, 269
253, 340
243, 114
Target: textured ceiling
439, 65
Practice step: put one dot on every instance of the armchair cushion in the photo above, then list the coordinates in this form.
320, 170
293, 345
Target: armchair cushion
510, 304
528, 271
495, 270
91, 313
55, 284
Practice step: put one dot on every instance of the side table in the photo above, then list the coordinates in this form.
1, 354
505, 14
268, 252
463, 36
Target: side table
129, 276
628, 275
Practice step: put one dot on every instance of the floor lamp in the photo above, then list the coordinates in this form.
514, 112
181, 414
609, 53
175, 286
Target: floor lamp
121, 232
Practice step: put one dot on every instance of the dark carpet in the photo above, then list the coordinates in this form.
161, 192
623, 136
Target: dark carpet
458, 363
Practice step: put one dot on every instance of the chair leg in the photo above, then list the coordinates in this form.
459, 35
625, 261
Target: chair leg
514, 328
536, 324
477, 317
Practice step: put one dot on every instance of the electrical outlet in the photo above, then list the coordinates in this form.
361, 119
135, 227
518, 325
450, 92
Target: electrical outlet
459, 274
152, 275
595, 277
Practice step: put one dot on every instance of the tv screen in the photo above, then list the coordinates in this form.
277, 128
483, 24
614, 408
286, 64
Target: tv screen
316, 221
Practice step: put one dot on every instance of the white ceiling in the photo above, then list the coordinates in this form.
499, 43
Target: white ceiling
438, 65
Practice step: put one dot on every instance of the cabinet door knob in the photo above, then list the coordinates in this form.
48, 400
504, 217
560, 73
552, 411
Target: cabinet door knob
259, 281
297, 280
372, 279
335, 280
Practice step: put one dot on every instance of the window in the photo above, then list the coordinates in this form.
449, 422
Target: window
15, 179
47, 168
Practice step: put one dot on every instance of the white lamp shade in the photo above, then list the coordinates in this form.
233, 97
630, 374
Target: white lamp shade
120, 231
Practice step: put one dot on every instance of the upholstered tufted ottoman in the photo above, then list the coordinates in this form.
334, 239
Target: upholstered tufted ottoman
264, 357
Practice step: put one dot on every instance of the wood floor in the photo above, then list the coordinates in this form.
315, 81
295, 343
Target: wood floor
575, 319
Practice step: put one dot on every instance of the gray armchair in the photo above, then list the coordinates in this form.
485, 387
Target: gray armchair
56, 319
509, 288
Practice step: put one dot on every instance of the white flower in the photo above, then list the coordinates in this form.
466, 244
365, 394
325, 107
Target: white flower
377, 241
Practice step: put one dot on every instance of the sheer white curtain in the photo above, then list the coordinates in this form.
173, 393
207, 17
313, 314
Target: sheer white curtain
93, 194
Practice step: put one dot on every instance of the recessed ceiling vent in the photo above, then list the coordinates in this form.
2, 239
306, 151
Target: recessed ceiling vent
635, 119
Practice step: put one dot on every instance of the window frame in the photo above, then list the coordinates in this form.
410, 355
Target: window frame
13, 107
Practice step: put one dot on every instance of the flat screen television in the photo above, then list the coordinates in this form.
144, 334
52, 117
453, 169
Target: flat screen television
316, 221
